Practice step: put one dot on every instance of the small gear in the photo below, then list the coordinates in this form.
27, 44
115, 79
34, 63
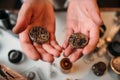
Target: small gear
78, 40
39, 35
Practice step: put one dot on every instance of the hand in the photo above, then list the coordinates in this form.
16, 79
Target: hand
37, 13
83, 16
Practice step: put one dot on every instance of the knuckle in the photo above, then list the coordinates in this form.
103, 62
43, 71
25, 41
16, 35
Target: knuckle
35, 58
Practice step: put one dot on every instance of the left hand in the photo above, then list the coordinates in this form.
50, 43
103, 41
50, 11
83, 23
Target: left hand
83, 16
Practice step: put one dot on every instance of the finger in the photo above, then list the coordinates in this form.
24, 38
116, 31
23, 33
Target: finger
93, 40
28, 48
44, 55
97, 19
47, 47
55, 45
76, 55
68, 51
65, 43
23, 18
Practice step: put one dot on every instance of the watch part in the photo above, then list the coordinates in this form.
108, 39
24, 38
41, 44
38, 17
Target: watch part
65, 64
115, 64
78, 40
39, 35
99, 68
15, 56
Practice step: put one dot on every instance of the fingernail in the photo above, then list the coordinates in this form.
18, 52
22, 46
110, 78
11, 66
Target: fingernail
51, 61
64, 54
63, 46
85, 53
71, 60
58, 55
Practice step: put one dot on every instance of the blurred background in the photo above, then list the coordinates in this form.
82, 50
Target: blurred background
58, 4
10, 4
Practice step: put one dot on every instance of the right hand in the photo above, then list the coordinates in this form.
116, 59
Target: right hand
37, 13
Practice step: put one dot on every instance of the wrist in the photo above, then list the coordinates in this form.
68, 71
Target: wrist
84, 0
37, 1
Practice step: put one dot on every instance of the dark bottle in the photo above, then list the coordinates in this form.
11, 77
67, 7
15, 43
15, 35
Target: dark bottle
5, 19
113, 48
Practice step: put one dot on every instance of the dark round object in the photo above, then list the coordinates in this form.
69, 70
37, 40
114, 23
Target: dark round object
14, 56
39, 35
114, 48
31, 75
78, 40
99, 68
65, 64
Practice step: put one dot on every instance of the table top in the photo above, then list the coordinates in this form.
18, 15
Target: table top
81, 69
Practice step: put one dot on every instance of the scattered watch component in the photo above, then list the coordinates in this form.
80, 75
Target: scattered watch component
8, 74
34, 73
66, 65
99, 68
78, 40
88, 58
15, 56
114, 48
39, 35
31, 76
108, 39
115, 65
102, 30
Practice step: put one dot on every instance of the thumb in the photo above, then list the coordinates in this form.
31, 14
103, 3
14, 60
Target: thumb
23, 18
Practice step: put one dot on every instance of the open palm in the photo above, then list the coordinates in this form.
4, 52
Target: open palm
37, 13
82, 16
